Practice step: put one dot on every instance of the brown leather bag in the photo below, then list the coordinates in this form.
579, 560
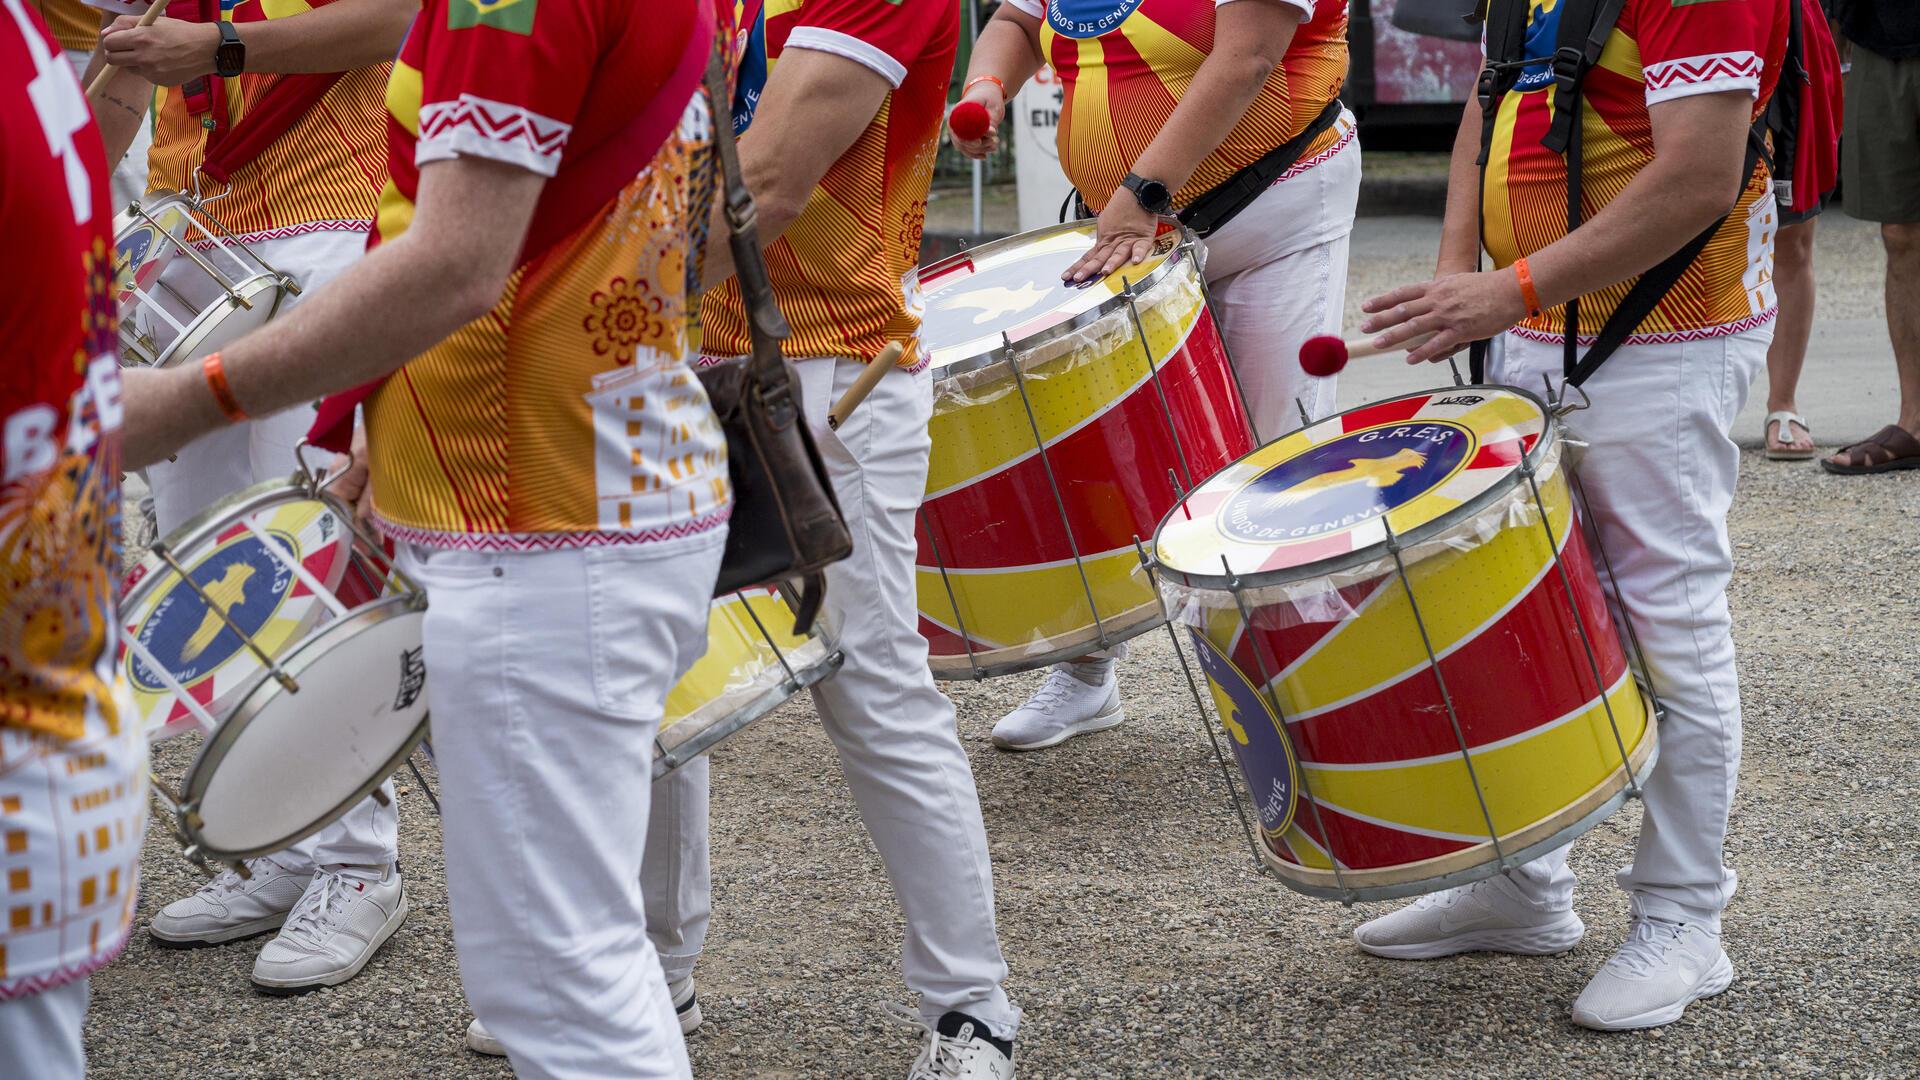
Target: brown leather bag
786, 523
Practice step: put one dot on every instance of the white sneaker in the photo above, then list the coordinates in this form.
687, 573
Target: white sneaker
685, 1005
1664, 967
1486, 916
340, 922
959, 1047
1064, 706
230, 907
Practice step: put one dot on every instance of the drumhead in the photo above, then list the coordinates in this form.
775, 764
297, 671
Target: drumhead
1322, 498
287, 764
258, 591
1013, 287
140, 247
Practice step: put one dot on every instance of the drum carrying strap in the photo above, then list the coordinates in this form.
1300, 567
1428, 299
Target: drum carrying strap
1585, 26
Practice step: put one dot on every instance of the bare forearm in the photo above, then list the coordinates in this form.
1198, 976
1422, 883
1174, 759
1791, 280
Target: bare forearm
1460, 234
340, 36
1652, 217
1006, 50
775, 207
1227, 82
120, 108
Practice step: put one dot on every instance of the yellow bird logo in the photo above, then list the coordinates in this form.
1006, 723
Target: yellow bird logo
1373, 472
999, 301
222, 594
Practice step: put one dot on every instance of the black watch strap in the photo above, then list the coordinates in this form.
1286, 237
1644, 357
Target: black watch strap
1153, 195
230, 56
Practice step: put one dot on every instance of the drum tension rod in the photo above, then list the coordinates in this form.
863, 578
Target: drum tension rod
953, 601
1053, 484
207, 267
279, 675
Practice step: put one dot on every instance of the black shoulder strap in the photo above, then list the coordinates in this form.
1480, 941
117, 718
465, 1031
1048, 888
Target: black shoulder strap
1585, 26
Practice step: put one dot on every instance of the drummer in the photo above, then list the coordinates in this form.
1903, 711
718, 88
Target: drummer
1659, 467
302, 201
1192, 107
73, 778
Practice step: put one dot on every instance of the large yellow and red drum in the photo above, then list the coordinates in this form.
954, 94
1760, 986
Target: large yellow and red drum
1066, 421
1407, 643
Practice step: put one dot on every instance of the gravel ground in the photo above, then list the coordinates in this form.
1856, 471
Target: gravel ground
1142, 944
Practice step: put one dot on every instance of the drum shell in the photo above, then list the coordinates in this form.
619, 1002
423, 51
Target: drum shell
1369, 729
198, 288
1124, 435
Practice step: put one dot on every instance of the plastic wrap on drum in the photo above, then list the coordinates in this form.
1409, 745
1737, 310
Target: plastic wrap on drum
752, 652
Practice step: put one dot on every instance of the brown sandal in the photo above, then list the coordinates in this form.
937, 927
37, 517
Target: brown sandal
1889, 449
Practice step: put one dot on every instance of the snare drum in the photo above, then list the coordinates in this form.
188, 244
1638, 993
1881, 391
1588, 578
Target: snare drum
1066, 421
277, 626
186, 286
1407, 644
753, 664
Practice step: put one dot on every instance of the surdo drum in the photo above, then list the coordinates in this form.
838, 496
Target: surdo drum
1406, 641
1066, 421
278, 627
186, 287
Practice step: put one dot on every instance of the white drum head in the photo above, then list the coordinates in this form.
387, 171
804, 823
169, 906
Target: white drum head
287, 764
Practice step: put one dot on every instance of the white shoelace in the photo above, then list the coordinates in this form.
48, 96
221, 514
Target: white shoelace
1646, 948
940, 1058
227, 882
320, 908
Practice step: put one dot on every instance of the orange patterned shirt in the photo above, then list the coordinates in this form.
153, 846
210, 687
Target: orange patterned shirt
323, 173
1124, 65
1660, 50
74, 24
845, 270
568, 415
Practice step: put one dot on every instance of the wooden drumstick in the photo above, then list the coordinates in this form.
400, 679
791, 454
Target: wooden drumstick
154, 10
888, 359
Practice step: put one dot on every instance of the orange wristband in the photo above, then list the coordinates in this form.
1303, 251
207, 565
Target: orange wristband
1527, 292
978, 79
222, 393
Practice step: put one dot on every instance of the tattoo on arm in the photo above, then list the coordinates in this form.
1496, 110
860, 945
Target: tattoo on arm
135, 111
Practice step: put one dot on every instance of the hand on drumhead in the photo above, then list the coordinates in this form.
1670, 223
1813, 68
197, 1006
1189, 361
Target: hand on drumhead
1457, 310
1123, 235
963, 122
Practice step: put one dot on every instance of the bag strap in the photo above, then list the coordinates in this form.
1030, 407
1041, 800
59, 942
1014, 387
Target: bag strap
766, 327
1217, 207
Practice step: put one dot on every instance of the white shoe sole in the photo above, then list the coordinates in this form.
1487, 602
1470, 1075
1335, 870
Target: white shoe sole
224, 935
691, 1017
1549, 940
1097, 722
281, 987
1716, 983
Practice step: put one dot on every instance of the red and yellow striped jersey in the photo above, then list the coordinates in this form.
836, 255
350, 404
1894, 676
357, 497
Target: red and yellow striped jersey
324, 172
568, 415
74, 24
844, 271
1124, 65
1660, 50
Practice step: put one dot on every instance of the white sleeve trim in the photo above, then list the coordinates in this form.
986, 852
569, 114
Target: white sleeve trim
821, 39
478, 127
1305, 6
1035, 8
1715, 73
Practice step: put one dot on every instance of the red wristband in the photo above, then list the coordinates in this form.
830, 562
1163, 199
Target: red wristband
1527, 291
978, 79
216, 374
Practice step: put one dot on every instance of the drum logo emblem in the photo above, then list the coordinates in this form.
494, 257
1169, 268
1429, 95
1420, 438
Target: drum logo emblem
244, 586
1088, 18
1346, 482
413, 678
1259, 745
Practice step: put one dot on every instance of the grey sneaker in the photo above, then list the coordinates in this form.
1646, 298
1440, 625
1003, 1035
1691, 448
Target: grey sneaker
1486, 916
340, 922
1664, 967
230, 908
1063, 707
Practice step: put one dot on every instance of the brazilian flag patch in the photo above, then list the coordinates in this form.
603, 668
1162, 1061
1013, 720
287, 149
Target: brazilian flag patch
513, 16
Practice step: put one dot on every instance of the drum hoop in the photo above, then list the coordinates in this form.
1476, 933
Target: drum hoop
309, 652
668, 758
188, 344
1179, 256
208, 523
1500, 489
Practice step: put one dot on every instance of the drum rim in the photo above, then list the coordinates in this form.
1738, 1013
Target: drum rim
296, 486
1177, 257
206, 763
1549, 437
190, 342
668, 759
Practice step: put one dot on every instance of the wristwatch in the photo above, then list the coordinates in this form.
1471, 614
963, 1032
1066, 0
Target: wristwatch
230, 56
1153, 195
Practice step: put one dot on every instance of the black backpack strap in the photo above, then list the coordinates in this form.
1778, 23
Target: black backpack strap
1506, 23
1585, 26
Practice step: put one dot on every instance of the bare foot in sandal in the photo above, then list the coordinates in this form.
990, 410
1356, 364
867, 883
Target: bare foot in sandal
1890, 448
1789, 437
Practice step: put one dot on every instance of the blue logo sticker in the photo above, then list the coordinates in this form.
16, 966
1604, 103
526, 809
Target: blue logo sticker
190, 639
1345, 483
1089, 18
1543, 37
752, 80
1261, 748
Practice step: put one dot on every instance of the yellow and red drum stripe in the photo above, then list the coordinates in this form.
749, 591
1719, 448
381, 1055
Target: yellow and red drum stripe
1367, 766
1015, 351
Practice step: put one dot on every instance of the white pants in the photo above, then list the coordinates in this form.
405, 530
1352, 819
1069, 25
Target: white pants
895, 732
224, 461
40, 1034
129, 180
1278, 276
1659, 472
548, 677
